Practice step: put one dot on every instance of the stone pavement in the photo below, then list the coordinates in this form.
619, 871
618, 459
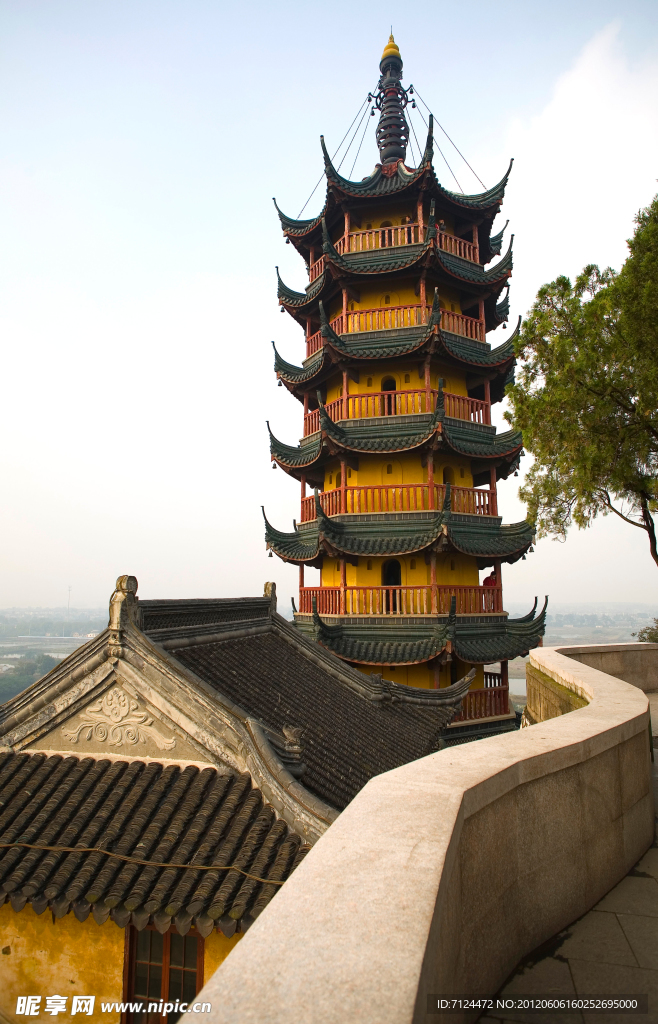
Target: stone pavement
612, 950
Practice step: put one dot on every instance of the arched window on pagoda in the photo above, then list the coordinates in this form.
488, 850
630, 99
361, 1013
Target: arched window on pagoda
389, 408
391, 578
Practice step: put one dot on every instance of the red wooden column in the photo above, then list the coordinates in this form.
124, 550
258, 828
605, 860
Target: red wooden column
504, 673
346, 401
493, 496
430, 479
499, 581
476, 244
303, 483
423, 300
346, 214
428, 387
487, 398
420, 218
301, 583
482, 330
343, 585
343, 485
433, 582
344, 327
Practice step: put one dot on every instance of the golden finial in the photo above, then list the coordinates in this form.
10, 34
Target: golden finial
391, 49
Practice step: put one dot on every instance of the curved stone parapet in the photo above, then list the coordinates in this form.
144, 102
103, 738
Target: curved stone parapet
442, 874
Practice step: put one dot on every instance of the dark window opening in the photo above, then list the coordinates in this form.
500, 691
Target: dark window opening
392, 577
162, 969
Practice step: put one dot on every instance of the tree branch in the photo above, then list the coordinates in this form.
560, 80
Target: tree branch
640, 526
650, 527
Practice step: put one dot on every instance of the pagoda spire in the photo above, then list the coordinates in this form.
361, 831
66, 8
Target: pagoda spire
391, 99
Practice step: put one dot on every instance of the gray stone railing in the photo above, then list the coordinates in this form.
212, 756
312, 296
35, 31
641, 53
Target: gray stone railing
442, 874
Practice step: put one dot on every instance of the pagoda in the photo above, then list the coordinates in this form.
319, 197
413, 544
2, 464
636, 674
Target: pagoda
399, 461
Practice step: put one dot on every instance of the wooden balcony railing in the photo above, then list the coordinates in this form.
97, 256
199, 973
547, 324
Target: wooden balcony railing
458, 246
402, 498
421, 600
387, 318
485, 703
404, 234
315, 269
378, 238
397, 403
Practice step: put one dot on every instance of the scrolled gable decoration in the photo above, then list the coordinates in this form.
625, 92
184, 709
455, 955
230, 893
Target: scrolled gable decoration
116, 718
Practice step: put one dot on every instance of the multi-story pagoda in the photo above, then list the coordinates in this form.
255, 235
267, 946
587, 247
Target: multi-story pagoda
397, 387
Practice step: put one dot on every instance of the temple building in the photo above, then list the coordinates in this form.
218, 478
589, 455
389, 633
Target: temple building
399, 462
160, 785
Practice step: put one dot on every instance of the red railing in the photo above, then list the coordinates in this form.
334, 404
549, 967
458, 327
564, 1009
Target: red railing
388, 318
421, 600
403, 498
404, 234
378, 238
397, 403
316, 269
458, 247
486, 703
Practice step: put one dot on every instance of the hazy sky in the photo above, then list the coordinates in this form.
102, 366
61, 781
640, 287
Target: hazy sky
140, 146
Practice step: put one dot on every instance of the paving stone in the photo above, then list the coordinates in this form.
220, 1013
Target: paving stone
599, 937
546, 977
632, 895
642, 935
614, 980
649, 863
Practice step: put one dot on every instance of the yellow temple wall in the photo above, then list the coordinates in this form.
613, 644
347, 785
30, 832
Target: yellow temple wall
66, 957
394, 214
400, 293
422, 675
414, 571
405, 469
406, 376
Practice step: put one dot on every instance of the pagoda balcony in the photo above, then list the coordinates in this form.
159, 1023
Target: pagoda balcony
376, 498
488, 702
412, 600
392, 237
388, 318
398, 403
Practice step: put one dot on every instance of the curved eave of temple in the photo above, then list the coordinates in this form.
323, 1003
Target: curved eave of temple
303, 302
491, 246
487, 541
473, 274
479, 643
389, 260
379, 183
384, 437
484, 201
461, 436
507, 543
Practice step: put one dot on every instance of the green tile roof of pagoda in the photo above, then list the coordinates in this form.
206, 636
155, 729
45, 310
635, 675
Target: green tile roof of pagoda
477, 640
385, 535
390, 260
388, 434
380, 184
495, 242
321, 365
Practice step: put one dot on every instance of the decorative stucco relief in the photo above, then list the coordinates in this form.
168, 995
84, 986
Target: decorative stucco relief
117, 720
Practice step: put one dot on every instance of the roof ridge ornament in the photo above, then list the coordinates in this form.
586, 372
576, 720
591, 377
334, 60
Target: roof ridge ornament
391, 99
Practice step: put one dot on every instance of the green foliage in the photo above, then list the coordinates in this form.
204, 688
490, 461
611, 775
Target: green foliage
586, 393
27, 671
648, 634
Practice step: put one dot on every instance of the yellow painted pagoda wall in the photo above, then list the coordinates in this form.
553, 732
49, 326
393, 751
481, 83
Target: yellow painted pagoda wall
395, 293
422, 675
42, 957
